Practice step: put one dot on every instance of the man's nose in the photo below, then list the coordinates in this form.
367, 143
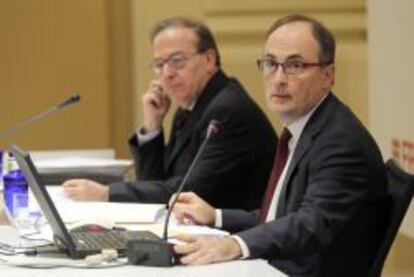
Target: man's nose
280, 70
279, 75
167, 71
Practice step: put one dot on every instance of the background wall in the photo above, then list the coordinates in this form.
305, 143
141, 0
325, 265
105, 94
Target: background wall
51, 49
391, 59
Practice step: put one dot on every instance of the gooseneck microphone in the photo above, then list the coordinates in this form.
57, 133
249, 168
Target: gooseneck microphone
71, 100
160, 252
212, 129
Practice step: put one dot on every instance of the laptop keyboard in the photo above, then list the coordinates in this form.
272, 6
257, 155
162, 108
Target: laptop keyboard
109, 239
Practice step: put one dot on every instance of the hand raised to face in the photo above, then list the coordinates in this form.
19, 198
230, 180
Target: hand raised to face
156, 104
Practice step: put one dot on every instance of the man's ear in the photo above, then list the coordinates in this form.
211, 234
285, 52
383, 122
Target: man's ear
211, 58
329, 76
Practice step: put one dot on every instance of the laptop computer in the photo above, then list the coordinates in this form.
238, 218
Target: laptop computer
80, 243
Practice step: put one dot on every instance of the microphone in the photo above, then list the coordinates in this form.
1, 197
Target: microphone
160, 252
71, 100
212, 129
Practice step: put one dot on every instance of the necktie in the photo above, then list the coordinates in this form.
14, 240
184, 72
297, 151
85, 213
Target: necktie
182, 118
278, 166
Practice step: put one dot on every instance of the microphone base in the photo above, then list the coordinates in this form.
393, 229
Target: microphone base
157, 253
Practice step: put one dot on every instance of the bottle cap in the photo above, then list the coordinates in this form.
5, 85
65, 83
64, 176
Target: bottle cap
15, 177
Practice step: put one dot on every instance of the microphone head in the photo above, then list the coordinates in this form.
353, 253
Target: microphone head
213, 128
75, 98
71, 100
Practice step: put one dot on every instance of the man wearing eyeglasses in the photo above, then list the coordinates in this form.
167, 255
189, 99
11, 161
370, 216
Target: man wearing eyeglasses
323, 212
233, 168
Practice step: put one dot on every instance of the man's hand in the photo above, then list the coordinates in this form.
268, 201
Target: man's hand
207, 249
190, 207
156, 104
86, 190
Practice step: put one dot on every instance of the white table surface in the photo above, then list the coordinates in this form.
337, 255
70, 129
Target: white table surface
238, 268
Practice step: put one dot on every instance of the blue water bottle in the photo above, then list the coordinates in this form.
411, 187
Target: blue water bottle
1, 169
15, 191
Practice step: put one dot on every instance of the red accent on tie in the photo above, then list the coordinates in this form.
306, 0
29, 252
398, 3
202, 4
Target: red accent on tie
282, 153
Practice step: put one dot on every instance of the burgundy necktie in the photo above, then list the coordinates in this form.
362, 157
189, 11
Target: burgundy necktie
282, 153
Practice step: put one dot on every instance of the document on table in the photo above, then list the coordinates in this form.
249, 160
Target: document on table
103, 212
108, 212
132, 216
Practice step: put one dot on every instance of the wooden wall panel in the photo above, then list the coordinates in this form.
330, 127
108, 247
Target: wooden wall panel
270, 6
49, 50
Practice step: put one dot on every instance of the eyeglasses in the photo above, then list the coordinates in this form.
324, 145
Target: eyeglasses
290, 67
175, 61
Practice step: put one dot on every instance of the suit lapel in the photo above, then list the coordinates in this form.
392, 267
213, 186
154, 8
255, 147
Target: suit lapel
306, 140
180, 138
303, 146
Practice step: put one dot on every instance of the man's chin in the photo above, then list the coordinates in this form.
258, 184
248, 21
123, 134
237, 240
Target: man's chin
277, 107
183, 103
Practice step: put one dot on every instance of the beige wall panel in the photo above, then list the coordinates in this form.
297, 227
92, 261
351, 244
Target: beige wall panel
120, 75
253, 25
291, 6
50, 49
351, 72
239, 60
399, 262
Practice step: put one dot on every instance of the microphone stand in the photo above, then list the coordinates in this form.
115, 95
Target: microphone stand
210, 131
160, 252
73, 99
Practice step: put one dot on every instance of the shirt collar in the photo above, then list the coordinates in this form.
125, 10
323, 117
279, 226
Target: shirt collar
297, 126
191, 107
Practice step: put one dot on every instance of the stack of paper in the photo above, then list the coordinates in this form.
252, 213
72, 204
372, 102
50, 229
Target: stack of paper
109, 212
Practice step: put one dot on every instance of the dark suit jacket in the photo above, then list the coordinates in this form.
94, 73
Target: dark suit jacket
233, 168
330, 214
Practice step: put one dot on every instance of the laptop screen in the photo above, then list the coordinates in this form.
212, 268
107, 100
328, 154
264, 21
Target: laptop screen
42, 196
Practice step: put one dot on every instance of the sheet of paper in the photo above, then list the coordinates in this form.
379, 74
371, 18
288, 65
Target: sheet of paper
106, 213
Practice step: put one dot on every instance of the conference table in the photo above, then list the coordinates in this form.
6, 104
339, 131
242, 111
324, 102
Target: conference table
240, 268
9, 235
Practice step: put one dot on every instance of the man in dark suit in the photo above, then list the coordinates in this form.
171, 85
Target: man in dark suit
233, 168
325, 215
